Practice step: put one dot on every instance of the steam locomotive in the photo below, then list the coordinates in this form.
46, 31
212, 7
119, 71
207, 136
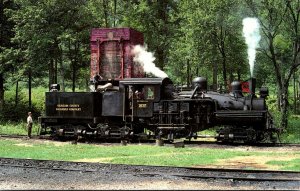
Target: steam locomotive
124, 104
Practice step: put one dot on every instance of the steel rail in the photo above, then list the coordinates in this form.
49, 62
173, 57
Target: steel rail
46, 168
250, 178
195, 169
233, 178
166, 171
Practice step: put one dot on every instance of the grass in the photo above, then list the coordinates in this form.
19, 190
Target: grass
286, 165
137, 154
131, 154
17, 128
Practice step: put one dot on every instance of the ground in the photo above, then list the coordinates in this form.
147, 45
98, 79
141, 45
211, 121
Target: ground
16, 178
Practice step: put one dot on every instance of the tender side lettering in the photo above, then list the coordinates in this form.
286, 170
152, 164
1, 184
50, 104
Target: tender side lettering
68, 107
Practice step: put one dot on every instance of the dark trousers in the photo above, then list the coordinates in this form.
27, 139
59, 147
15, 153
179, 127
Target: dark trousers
29, 128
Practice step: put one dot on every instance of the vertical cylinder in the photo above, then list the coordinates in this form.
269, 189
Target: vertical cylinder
252, 85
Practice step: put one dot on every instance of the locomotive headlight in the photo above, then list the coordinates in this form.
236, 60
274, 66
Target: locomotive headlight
200, 82
54, 87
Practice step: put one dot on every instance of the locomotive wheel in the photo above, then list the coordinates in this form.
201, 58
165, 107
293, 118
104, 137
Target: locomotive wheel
159, 142
124, 142
251, 136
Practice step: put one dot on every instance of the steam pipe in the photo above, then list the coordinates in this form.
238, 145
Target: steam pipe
102, 87
194, 92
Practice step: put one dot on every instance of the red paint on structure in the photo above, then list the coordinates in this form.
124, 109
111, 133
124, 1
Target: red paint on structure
111, 56
245, 87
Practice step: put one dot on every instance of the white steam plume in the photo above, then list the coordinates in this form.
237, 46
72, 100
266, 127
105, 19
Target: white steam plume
146, 59
252, 36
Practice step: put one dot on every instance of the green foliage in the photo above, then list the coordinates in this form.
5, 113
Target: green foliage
291, 134
16, 110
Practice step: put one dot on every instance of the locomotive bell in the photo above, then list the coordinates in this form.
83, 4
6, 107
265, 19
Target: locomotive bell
201, 83
236, 88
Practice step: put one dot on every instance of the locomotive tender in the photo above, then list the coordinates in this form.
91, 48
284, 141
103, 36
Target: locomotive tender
126, 105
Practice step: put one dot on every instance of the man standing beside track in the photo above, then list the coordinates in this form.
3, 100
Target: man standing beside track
29, 124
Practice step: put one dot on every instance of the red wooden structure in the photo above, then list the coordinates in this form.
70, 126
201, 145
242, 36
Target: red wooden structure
245, 86
111, 56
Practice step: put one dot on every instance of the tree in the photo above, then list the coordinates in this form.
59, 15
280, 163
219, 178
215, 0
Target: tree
47, 32
209, 35
6, 33
154, 20
280, 25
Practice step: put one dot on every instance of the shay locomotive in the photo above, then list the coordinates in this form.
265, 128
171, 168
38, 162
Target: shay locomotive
124, 104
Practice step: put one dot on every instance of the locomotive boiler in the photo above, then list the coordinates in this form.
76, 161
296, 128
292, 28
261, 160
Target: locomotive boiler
124, 104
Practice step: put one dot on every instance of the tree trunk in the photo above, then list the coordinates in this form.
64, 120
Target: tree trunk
239, 75
29, 89
215, 76
87, 82
231, 77
51, 72
295, 94
160, 58
163, 31
1, 91
115, 12
74, 63
1, 44
61, 69
188, 73
284, 107
17, 93
105, 9
55, 71
73, 76
224, 73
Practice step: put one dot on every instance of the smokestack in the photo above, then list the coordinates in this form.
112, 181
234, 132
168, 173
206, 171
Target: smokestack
252, 85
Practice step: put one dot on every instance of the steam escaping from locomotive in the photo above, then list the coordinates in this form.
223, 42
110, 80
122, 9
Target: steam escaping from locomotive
146, 59
252, 37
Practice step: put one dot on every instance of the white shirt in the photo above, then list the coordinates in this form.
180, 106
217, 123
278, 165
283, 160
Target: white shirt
29, 119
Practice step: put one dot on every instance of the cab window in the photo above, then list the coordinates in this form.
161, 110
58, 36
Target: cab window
149, 92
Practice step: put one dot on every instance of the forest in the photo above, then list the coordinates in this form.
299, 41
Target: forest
47, 41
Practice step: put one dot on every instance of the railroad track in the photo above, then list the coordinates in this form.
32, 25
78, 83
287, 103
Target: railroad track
156, 171
25, 136
193, 142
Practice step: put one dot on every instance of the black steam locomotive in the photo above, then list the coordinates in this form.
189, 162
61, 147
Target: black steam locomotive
129, 108
136, 108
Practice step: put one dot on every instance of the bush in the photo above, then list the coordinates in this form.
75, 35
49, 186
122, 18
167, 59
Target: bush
13, 111
291, 134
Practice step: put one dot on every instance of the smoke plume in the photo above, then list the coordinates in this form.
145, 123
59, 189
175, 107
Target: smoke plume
252, 37
146, 59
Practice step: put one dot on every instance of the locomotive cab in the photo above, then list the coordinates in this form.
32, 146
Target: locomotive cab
140, 94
